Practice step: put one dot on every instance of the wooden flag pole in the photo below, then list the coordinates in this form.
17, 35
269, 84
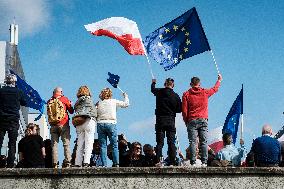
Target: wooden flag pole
214, 61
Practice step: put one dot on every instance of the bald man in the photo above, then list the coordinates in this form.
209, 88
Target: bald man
61, 129
266, 149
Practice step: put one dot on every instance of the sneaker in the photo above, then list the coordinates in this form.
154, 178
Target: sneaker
115, 165
160, 164
86, 165
66, 164
204, 165
193, 165
55, 165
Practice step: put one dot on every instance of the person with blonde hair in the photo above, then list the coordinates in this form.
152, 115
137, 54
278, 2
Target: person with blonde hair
106, 118
31, 148
85, 111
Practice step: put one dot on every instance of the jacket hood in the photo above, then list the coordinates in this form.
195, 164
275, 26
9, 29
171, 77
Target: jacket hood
195, 90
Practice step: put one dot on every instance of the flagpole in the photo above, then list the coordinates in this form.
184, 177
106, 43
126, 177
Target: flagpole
120, 89
214, 61
242, 125
149, 64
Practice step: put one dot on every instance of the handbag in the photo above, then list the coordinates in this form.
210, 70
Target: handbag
79, 120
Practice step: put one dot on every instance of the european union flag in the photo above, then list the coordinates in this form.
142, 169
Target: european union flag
182, 38
34, 100
113, 79
232, 120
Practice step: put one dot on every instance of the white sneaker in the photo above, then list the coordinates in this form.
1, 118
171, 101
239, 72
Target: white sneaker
203, 165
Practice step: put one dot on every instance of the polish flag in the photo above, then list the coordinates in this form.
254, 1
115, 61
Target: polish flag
123, 30
215, 140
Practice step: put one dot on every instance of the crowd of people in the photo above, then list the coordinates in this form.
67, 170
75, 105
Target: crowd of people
101, 117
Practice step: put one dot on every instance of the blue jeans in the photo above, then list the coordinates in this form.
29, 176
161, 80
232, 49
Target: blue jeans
108, 130
198, 127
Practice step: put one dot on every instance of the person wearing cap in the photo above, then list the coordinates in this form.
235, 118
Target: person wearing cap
11, 99
195, 116
168, 103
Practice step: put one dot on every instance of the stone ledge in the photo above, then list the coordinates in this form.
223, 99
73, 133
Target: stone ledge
39, 172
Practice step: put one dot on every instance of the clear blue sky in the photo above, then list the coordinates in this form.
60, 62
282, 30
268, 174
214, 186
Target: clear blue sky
246, 36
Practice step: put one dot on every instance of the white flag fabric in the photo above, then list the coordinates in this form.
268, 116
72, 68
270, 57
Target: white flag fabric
123, 30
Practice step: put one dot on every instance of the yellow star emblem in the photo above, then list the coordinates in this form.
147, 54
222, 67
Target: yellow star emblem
161, 36
167, 30
188, 41
185, 49
187, 34
182, 29
175, 60
180, 56
175, 28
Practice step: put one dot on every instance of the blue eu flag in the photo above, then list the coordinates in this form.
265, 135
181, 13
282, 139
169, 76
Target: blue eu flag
182, 38
232, 120
113, 79
34, 100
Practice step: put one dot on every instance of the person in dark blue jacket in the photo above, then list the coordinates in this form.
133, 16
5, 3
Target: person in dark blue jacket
266, 149
11, 98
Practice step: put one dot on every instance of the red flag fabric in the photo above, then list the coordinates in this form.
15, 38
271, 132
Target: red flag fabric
123, 30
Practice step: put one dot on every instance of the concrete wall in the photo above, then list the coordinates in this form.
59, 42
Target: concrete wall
168, 177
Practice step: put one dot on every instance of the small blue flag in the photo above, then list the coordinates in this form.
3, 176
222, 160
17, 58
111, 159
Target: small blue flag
232, 120
34, 100
179, 39
113, 79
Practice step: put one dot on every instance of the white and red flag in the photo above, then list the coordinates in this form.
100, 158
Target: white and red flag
215, 139
123, 30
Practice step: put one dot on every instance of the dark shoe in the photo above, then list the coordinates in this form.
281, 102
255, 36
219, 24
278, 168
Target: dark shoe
75, 166
115, 165
11, 166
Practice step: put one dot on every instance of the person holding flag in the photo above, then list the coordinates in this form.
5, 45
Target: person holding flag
106, 119
168, 103
230, 153
195, 116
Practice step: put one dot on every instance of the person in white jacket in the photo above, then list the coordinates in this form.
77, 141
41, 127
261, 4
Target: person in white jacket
106, 119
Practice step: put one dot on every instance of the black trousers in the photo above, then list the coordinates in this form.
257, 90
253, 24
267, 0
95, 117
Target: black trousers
165, 126
12, 135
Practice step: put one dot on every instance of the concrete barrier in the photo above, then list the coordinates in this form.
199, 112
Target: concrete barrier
166, 177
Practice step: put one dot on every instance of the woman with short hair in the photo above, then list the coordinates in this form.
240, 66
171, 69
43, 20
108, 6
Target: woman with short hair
85, 123
107, 123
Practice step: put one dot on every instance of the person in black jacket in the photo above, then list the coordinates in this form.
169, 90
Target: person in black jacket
168, 103
31, 148
11, 99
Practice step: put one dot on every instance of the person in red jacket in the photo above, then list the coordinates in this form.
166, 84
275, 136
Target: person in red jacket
62, 129
195, 116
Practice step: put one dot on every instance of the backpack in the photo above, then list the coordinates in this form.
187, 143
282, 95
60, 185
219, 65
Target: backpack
55, 111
